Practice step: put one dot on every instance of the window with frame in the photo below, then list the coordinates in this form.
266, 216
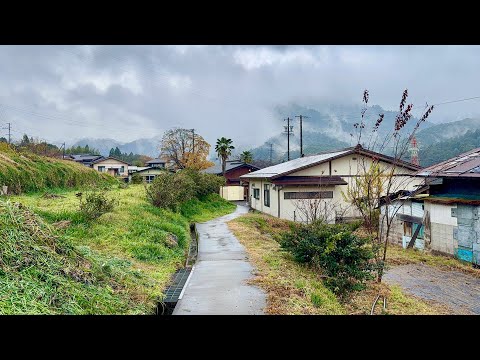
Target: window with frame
149, 178
122, 169
293, 195
101, 168
256, 193
266, 195
409, 229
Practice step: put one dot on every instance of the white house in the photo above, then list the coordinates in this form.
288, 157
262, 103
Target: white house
286, 190
112, 166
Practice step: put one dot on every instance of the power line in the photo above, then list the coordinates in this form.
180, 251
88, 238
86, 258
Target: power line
455, 101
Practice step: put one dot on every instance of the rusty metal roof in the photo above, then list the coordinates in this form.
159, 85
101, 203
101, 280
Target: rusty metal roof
463, 165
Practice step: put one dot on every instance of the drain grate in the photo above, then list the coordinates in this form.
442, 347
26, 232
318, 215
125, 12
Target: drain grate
179, 279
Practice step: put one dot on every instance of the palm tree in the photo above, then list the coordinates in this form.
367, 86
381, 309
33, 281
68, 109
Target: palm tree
246, 157
224, 149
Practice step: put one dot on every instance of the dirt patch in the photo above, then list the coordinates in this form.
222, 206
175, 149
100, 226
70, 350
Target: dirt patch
63, 224
454, 289
51, 196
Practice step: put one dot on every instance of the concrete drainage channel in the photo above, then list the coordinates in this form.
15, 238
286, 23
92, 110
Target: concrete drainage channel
175, 290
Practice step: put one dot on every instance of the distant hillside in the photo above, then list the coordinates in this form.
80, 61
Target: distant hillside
313, 142
439, 133
27, 172
147, 147
326, 128
448, 148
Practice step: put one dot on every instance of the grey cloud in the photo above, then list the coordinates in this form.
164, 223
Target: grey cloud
128, 92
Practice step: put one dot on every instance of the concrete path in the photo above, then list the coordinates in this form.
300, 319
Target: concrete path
459, 291
218, 283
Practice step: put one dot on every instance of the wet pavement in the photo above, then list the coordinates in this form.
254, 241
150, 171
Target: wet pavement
457, 290
218, 283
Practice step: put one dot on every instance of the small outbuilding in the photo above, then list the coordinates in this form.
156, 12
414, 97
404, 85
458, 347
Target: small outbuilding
443, 215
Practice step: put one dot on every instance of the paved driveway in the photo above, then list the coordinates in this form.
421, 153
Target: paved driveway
218, 283
459, 291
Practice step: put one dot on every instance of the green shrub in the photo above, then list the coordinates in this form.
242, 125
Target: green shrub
137, 179
342, 257
122, 185
205, 184
169, 190
95, 204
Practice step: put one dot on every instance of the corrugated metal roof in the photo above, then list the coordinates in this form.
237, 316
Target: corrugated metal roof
293, 165
108, 158
84, 157
463, 165
156, 161
217, 169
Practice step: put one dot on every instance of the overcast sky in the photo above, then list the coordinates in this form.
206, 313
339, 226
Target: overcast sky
129, 92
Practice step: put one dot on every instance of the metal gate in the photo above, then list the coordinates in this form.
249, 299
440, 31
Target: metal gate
467, 233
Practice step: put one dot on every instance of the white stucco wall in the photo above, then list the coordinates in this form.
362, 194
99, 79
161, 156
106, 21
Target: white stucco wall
112, 164
345, 167
441, 213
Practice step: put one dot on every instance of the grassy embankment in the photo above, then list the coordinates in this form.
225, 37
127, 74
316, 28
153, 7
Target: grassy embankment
293, 288
54, 261
26, 172
120, 263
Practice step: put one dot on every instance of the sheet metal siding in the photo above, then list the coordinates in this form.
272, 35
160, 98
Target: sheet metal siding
467, 233
442, 214
417, 209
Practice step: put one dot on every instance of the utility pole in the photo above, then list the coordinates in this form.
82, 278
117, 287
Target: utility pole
9, 132
288, 131
271, 152
63, 145
301, 133
193, 141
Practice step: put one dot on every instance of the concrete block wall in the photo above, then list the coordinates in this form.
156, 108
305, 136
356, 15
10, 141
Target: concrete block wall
441, 238
396, 232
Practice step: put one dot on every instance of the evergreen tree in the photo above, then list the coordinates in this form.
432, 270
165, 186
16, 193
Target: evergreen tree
117, 152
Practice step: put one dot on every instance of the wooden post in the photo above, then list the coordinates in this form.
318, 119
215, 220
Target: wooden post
414, 237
